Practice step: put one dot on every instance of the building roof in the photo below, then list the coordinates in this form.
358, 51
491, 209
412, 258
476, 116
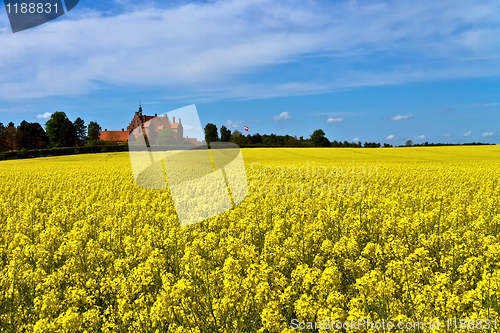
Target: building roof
146, 118
119, 136
165, 121
194, 141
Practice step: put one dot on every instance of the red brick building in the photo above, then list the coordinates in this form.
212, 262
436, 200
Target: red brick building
149, 126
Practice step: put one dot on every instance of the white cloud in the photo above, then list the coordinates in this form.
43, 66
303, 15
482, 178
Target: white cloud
282, 116
191, 46
391, 137
334, 120
190, 128
487, 134
469, 133
401, 117
420, 137
233, 124
446, 135
46, 115
355, 140
237, 123
445, 109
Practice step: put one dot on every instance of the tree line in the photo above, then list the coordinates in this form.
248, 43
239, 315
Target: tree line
57, 132
316, 139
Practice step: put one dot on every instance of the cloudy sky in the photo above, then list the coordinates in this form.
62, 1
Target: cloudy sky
384, 71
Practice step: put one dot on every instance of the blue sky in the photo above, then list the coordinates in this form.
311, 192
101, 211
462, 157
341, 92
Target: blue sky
384, 71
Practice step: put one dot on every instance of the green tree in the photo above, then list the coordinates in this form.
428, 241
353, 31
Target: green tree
292, 141
409, 143
211, 134
13, 137
319, 139
3, 144
93, 130
255, 139
33, 135
81, 129
168, 137
269, 140
225, 134
237, 138
60, 130
68, 136
273, 139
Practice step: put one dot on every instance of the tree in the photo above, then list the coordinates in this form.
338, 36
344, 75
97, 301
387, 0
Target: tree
137, 141
3, 144
270, 140
255, 139
225, 134
319, 139
68, 134
81, 130
237, 137
409, 143
168, 137
211, 134
292, 141
93, 130
13, 137
274, 139
60, 130
33, 135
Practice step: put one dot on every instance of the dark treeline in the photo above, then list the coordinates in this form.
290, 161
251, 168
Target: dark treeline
57, 132
316, 139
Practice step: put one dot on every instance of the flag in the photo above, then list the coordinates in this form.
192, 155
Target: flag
246, 128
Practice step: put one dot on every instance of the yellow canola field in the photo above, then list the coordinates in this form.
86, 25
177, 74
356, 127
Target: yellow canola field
400, 235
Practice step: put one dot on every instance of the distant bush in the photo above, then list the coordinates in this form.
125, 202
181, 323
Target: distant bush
22, 153
102, 143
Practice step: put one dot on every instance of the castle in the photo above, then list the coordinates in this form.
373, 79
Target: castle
149, 126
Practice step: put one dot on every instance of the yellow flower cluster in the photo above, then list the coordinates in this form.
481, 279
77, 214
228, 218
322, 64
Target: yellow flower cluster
83, 249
